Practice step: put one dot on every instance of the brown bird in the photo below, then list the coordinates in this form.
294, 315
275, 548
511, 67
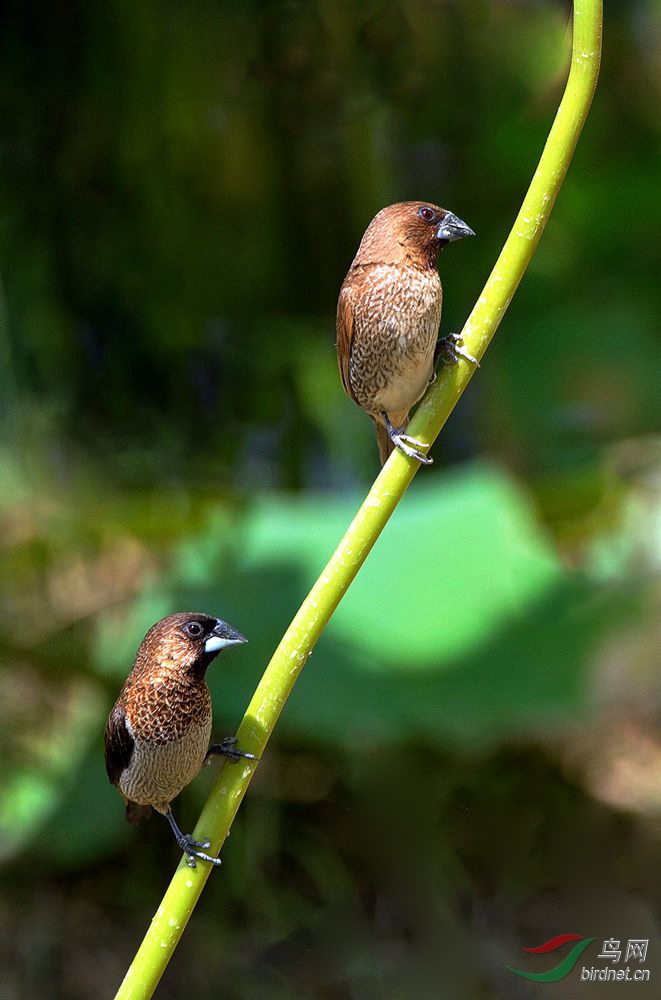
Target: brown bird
157, 735
388, 317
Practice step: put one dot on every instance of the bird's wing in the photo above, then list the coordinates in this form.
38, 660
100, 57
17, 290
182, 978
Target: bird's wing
118, 744
345, 331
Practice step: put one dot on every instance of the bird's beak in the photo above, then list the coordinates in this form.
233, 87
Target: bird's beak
452, 228
222, 636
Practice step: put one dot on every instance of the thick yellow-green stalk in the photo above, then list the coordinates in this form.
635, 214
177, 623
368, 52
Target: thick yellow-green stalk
301, 636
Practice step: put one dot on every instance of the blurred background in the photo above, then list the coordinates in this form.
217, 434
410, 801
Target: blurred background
471, 761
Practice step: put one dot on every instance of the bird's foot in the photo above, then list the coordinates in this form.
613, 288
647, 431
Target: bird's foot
450, 350
399, 441
192, 848
196, 849
410, 446
228, 748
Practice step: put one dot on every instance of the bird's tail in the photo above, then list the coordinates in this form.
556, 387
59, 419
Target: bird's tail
385, 444
136, 813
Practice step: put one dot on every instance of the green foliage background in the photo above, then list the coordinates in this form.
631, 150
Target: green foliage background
470, 762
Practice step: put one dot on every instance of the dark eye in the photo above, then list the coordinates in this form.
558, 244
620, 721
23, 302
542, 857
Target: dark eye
193, 629
427, 214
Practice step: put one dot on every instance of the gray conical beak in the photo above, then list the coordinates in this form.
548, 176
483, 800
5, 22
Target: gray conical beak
223, 636
452, 228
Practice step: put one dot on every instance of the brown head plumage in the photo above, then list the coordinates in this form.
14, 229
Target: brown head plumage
186, 642
409, 233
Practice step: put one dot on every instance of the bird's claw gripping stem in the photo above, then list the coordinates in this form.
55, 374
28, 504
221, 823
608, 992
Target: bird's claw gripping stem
195, 849
228, 748
450, 350
192, 848
410, 446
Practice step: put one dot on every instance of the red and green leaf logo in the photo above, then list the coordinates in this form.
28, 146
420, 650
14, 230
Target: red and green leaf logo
567, 964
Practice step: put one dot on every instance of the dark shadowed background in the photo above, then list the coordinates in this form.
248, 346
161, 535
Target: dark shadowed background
471, 761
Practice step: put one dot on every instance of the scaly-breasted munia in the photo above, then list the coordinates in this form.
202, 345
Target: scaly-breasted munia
157, 735
388, 317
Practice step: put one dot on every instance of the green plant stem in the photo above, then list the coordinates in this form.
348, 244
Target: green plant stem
299, 640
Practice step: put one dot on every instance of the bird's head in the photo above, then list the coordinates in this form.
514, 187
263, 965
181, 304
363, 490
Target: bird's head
410, 231
186, 641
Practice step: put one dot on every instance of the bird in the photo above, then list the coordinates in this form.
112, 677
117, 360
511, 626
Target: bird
157, 734
389, 314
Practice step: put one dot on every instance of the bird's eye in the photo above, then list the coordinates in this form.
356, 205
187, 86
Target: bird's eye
427, 214
193, 629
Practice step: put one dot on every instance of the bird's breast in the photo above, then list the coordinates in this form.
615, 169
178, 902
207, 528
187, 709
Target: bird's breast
169, 719
397, 314
162, 706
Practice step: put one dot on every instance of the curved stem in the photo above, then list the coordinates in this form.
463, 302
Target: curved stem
299, 639
529, 223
